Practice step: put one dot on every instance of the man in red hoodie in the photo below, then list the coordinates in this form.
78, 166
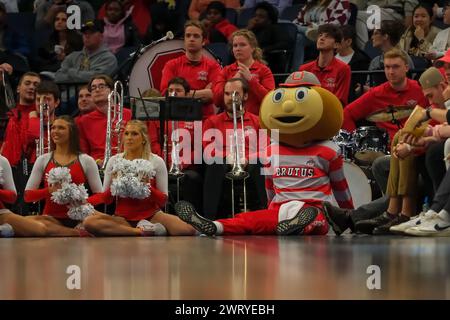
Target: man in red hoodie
18, 147
92, 126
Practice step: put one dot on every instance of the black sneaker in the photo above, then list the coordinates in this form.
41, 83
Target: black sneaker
296, 225
384, 229
339, 219
187, 213
367, 226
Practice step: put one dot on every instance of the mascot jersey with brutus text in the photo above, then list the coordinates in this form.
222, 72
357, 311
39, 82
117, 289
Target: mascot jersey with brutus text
305, 167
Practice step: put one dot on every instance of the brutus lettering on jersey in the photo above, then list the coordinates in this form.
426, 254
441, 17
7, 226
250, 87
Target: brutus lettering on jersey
303, 172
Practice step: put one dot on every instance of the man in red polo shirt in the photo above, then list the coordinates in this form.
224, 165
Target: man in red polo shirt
333, 74
198, 70
92, 126
397, 91
217, 152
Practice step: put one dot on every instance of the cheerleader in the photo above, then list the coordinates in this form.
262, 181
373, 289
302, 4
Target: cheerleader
137, 180
63, 170
12, 224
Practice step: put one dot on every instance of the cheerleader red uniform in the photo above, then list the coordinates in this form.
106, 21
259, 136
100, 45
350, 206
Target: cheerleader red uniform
8, 192
82, 170
138, 209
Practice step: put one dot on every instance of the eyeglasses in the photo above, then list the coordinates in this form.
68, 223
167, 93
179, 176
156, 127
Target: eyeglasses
101, 86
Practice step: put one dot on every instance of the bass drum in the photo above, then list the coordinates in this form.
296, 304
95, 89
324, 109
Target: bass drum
358, 183
147, 70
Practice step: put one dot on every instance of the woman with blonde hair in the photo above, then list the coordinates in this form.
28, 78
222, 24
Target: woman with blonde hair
249, 66
137, 180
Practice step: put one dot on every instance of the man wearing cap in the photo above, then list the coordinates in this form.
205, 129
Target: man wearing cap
334, 75
94, 58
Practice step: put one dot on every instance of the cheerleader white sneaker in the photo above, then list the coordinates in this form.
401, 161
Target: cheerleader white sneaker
151, 229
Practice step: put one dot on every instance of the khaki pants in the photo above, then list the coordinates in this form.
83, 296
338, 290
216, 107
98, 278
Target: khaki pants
403, 174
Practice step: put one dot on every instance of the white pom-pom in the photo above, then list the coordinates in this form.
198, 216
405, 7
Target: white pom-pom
80, 212
131, 178
59, 175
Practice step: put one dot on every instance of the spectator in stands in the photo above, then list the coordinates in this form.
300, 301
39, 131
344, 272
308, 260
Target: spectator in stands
313, 14
333, 74
197, 7
92, 126
249, 66
95, 58
140, 14
442, 41
46, 11
418, 38
11, 40
271, 38
219, 29
61, 43
280, 5
17, 148
389, 10
386, 38
356, 59
119, 29
198, 70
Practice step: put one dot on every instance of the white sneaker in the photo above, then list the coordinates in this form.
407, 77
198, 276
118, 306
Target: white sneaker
6, 231
433, 227
151, 229
415, 222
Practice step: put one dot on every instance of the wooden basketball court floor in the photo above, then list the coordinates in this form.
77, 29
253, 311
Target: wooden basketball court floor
225, 268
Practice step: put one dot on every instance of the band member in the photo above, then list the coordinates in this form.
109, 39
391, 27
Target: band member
18, 148
334, 75
305, 167
66, 153
85, 103
47, 94
223, 155
397, 91
191, 182
92, 126
136, 216
249, 66
198, 70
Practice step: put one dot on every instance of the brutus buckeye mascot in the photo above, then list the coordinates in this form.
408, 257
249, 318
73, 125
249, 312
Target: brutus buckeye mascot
305, 168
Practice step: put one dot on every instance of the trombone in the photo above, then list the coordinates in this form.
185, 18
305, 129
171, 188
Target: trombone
175, 166
40, 143
115, 113
237, 172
